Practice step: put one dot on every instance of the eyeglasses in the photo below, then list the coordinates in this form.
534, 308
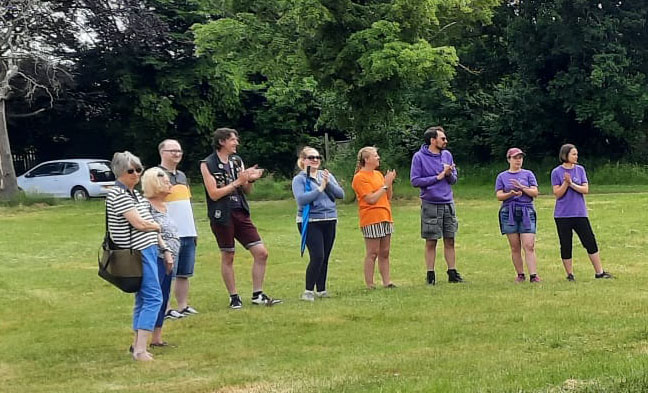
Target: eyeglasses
174, 151
131, 170
313, 158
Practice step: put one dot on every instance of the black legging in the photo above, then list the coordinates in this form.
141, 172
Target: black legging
583, 229
319, 240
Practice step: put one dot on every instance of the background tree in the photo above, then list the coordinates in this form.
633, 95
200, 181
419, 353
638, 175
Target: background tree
30, 36
360, 59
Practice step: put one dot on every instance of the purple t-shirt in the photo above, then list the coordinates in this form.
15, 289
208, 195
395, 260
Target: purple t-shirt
524, 176
572, 203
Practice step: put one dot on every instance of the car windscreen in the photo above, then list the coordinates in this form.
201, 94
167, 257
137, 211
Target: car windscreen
100, 171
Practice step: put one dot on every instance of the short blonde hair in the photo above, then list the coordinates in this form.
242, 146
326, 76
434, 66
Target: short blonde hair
153, 181
303, 155
363, 154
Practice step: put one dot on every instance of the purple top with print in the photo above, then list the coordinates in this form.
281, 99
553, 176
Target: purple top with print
572, 203
524, 176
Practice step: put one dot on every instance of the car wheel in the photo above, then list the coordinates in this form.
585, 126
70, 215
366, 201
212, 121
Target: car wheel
79, 194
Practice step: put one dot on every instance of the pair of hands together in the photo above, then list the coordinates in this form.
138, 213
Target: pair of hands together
567, 179
390, 176
325, 179
517, 187
248, 175
447, 171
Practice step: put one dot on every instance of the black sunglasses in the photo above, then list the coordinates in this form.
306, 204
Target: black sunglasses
313, 158
131, 170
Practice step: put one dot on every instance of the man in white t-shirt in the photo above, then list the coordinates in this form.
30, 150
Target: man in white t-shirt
180, 211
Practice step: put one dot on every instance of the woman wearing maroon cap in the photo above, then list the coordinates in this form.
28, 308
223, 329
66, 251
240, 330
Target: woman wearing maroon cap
516, 188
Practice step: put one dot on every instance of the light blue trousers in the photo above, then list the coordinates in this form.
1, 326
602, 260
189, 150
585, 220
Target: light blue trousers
149, 298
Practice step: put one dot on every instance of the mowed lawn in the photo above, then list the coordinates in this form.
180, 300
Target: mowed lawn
65, 330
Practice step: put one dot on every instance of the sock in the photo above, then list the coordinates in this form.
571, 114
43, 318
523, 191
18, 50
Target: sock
256, 294
234, 295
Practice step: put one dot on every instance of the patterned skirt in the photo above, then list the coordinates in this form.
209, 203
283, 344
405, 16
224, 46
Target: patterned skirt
377, 230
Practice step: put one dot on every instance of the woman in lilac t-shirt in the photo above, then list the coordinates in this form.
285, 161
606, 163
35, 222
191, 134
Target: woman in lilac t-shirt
570, 184
516, 188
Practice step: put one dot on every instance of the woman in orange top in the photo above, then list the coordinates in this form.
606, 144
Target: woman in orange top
373, 192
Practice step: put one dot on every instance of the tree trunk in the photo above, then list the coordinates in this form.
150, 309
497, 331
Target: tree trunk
8, 183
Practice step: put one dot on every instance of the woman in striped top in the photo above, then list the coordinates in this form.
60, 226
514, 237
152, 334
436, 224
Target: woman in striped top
131, 225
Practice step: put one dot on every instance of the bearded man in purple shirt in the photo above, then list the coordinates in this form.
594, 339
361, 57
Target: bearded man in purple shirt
433, 171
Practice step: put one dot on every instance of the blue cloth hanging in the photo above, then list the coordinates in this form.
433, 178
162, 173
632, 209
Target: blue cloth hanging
305, 212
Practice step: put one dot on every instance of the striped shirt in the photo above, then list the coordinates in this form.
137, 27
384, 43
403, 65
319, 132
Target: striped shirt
118, 201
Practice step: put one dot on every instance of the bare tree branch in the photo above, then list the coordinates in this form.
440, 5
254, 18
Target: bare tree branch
22, 115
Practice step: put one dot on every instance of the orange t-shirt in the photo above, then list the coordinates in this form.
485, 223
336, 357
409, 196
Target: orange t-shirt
364, 183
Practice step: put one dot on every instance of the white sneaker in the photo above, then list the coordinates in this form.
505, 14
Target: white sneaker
173, 314
308, 296
322, 294
188, 311
265, 300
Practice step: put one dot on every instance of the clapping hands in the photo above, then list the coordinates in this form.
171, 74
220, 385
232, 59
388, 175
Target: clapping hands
516, 184
249, 175
389, 177
447, 169
567, 178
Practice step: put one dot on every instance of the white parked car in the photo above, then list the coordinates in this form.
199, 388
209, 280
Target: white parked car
78, 179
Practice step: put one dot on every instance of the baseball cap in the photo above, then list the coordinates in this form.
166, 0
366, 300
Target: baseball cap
514, 151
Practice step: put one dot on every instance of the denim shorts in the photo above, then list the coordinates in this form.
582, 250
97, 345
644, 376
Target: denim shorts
186, 259
438, 221
518, 225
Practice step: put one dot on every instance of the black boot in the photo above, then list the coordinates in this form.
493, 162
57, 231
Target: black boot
431, 277
454, 276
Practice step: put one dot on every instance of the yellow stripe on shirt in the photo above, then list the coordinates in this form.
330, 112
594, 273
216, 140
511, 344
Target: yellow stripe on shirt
179, 192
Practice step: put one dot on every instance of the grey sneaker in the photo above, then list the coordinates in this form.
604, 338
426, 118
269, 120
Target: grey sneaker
322, 294
308, 296
265, 300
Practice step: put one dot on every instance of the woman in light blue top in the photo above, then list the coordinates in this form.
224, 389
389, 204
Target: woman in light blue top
319, 189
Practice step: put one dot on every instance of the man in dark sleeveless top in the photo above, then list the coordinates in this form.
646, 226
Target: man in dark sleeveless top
227, 181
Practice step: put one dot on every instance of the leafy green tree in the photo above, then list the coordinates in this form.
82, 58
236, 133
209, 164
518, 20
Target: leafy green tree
361, 60
550, 72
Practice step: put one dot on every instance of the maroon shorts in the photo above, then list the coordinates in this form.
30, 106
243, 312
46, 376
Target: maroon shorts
239, 227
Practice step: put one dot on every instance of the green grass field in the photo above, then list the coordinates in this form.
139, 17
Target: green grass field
65, 330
